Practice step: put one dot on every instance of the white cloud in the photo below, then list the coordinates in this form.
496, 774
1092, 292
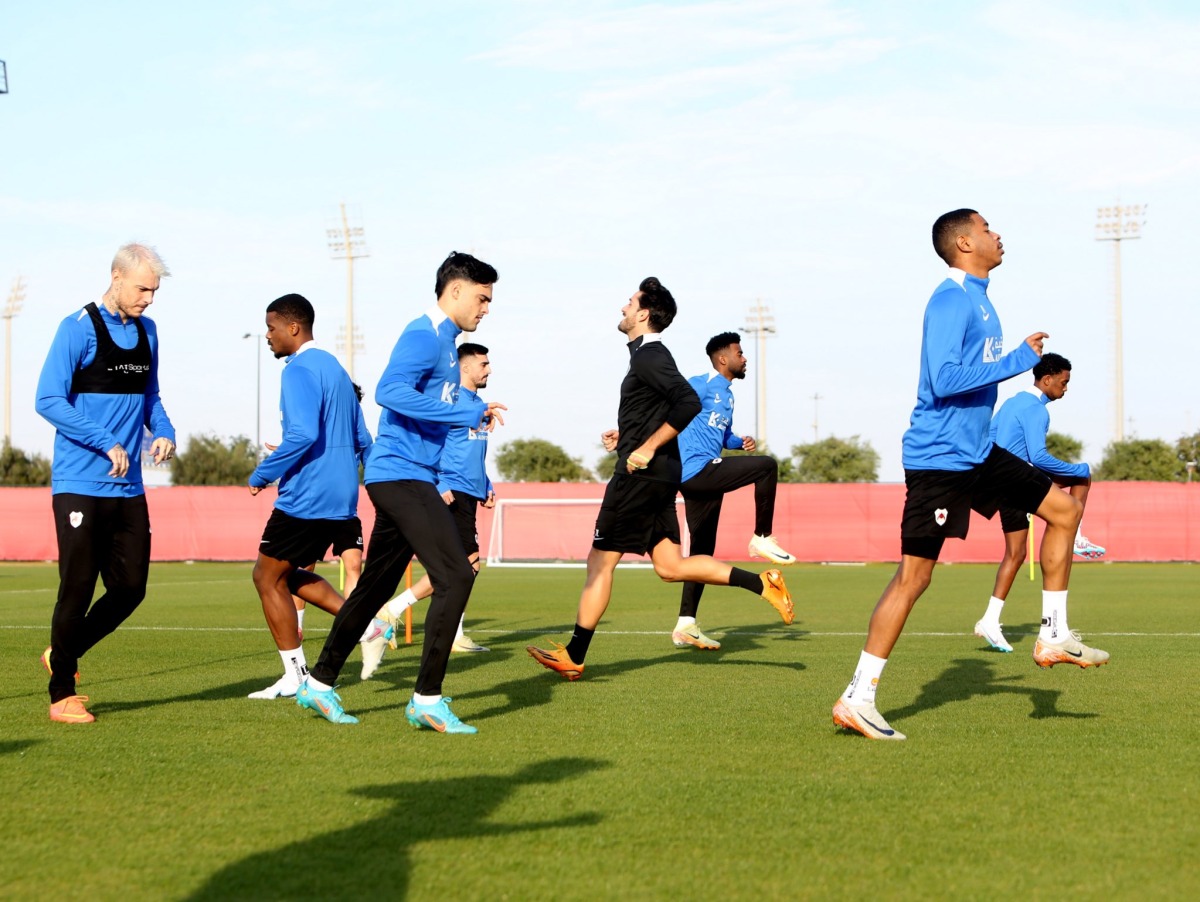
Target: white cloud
654, 36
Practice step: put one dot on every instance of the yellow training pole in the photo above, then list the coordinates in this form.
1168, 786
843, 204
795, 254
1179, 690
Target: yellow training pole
341, 577
1030, 516
408, 610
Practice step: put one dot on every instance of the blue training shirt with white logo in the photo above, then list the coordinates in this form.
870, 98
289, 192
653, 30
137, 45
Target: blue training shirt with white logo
88, 425
712, 429
418, 393
1020, 426
962, 361
324, 437
462, 467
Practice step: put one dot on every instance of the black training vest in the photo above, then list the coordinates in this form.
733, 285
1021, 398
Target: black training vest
116, 370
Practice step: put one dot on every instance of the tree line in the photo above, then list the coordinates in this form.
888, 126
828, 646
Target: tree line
210, 460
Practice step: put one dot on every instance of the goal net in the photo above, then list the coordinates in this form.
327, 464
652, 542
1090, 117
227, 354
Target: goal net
552, 532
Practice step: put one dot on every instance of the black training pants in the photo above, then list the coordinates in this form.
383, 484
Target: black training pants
410, 518
702, 497
105, 537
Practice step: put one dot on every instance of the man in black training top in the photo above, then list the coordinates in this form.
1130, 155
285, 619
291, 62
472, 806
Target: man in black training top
638, 515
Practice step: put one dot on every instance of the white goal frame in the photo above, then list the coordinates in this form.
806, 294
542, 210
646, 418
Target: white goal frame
495, 553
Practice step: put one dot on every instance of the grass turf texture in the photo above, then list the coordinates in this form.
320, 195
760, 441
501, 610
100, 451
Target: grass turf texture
663, 773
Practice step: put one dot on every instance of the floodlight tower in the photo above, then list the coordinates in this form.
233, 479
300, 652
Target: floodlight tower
1117, 224
760, 323
347, 242
11, 308
3, 78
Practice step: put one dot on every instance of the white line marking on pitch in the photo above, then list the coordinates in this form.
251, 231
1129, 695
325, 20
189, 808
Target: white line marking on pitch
542, 632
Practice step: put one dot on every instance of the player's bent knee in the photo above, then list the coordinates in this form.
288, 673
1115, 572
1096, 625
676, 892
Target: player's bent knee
1061, 509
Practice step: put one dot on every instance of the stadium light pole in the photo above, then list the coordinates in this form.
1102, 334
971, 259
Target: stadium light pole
257, 391
816, 416
1117, 224
3, 78
11, 308
348, 242
760, 323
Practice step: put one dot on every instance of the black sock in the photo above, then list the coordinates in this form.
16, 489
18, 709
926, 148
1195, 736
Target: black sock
577, 648
746, 579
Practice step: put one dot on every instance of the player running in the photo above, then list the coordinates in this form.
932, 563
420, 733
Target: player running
708, 477
465, 486
1020, 426
638, 515
952, 467
417, 392
316, 463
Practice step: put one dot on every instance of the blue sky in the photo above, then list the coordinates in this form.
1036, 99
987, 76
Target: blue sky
792, 151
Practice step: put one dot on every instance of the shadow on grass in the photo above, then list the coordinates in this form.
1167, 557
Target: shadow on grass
85, 684
538, 687
371, 858
966, 678
17, 746
240, 689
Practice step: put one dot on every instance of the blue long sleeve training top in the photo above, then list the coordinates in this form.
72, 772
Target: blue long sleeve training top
90, 424
462, 467
712, 429
324, 437
1020, 426
962, 361
417, 392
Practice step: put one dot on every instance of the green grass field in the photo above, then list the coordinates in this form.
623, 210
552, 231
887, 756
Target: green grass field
663, 773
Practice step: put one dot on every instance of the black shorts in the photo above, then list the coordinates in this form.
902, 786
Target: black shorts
938, 503
636, 515
1013, 520
348, 536
302, 542
463, 508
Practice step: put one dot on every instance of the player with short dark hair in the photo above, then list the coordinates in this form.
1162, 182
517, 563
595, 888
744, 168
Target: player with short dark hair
99, 389
638, 515
708, 477
316, 464
951, 466
418, 393
465, 486
1020, 426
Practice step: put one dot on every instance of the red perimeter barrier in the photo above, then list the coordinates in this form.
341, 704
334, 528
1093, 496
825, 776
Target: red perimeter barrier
1135, 521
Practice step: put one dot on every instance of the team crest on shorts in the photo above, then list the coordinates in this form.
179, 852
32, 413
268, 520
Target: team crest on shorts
76, 517
940, 515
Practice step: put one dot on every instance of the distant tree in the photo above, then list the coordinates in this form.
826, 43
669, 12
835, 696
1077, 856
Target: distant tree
1064, 447
20, 469
209, 460
835, 460
537, 460
1187, 450
1142, 460
605, 466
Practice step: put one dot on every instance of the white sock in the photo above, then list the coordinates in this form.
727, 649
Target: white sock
866, 680
318, 685
684, 622
1054, 617
992, 614
1079, 532
300, 619
294, 665
426, 699
405, 599
458, 635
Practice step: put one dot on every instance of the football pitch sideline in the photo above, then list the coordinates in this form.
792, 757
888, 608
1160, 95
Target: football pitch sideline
663, 773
